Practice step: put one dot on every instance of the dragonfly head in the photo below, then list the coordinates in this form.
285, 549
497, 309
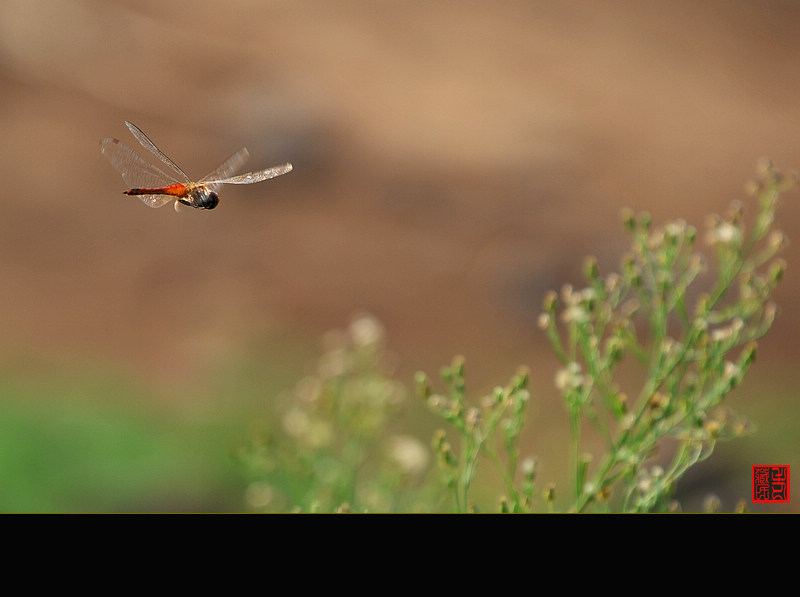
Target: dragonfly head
202, 198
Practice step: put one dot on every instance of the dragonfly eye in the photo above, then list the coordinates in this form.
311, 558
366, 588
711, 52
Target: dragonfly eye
211, 200
202, 198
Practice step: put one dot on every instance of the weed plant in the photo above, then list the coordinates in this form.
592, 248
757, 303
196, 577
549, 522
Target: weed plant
688, 326
336, 448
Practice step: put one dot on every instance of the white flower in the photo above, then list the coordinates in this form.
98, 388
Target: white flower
724, 233
472, 418
529, 466
366, 330
576, 313
676, 228
409, 453
258, 495
544, 321
569, 377
732, 370
296, 422
727, 332
578, 304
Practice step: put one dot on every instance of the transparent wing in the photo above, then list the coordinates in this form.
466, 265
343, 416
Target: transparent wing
136, 171
224, 170
252, 177
156, 200
149, 145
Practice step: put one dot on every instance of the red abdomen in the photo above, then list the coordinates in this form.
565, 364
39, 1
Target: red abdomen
176, 190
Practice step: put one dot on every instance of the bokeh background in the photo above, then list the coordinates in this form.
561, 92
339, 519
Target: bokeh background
453, 161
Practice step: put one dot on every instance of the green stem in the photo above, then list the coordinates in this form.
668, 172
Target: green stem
575, 430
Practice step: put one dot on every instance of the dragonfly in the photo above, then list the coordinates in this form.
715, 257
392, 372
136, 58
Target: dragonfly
156, 188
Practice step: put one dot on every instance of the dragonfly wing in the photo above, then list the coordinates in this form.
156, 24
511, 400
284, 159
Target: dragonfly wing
252, 177
136, 171
156, 200
150, 146
224, 170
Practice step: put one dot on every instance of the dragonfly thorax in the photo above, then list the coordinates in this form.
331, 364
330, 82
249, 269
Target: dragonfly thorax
202, 198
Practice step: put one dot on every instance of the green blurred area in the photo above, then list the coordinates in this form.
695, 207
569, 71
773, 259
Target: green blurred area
107, 460
95, 440
768, 400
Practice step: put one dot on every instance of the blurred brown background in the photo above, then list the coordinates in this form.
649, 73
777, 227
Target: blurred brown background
453, 161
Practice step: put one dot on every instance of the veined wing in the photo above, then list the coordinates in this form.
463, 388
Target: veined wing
150, 146
157, 200
251, 177
224, 170
136, 171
